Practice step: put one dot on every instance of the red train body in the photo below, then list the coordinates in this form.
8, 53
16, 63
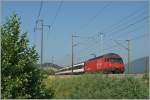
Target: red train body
107, 63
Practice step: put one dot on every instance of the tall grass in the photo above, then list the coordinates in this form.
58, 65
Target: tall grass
98, 87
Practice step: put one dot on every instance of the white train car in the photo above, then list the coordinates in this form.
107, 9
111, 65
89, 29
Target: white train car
77, 68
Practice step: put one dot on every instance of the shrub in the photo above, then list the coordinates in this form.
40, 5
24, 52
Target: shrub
20, 77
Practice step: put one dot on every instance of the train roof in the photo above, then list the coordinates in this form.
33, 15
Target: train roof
109, 54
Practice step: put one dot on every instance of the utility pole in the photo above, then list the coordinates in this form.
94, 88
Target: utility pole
41, 43
128, 48
41, 28
52, 59
73, 45
129, 57
72, 53
146, 69
101, 42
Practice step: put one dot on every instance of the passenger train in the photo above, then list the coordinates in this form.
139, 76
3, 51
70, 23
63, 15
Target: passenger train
110, 62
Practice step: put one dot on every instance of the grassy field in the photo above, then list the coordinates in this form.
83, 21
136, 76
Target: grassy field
98, 87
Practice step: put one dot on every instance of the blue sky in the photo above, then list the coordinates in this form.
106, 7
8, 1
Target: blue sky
75, 17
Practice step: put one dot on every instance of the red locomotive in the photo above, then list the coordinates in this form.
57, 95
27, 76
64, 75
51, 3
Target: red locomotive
107, 63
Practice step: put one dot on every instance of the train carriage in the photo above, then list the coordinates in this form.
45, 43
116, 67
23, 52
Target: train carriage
111, 62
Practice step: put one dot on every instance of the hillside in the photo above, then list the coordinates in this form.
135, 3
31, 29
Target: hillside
139, 65
54, 67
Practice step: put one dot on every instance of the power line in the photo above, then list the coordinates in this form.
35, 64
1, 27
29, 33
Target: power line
138, 28
57, 11
87, 48
128, 26
38, 16
94, 17
122, 24
114, 46
139, 37
39, 12
124, 19
135, 38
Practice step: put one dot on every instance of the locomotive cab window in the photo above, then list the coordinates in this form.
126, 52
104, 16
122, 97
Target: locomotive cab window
115, 60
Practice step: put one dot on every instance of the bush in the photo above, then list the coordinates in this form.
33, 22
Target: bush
98, 87
20, 76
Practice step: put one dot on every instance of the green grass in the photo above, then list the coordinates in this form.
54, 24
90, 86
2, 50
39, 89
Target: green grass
97, 87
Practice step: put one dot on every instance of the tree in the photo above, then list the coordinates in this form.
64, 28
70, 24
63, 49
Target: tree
20, 76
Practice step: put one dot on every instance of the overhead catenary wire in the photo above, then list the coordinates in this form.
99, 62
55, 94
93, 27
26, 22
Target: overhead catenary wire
131, 39
114, 46
123, 20
38, 18
132, 19
93, 17
139, 37
57, 12
118, 31
90, 46
39, 12
129, 32
124, 40
55, 16
128, 26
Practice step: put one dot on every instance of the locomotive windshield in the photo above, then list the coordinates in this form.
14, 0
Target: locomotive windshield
115, 60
